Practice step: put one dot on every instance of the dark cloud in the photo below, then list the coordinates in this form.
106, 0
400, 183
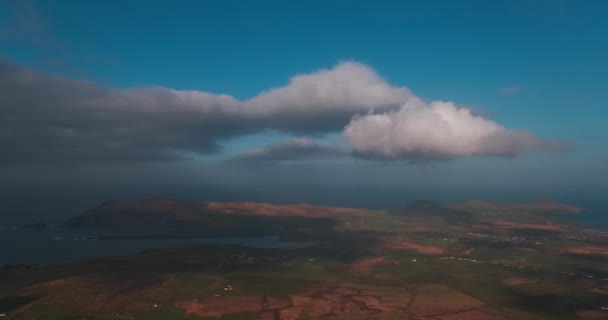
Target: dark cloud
48, 118
45, 118
290, 150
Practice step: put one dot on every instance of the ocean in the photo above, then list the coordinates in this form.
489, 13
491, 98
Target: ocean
58, 245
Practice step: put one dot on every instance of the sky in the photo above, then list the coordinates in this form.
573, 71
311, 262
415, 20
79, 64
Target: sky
355, 103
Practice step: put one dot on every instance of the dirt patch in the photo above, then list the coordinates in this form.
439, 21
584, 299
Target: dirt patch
292, 313
300, 300
49, 285
371, 302
516, 281
193, 307
402, 244
217, 306
531, 226
433, 287
440, 301
266, 315
346, 300
592, 314
271, 303
366, 264
600, 290
345, 305
588, 250
345, 291
435, 303
394, 299
300, 210
400, 300
469, 315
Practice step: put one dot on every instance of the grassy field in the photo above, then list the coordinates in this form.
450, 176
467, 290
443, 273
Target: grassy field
364, 266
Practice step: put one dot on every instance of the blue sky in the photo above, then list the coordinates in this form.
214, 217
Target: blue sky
553, 51
535, 65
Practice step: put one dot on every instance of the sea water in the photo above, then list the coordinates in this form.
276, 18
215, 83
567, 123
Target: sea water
58, 245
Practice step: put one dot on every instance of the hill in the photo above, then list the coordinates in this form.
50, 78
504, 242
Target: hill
543, 206
425, 208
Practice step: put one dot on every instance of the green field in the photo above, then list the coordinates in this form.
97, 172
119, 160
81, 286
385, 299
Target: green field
384, 265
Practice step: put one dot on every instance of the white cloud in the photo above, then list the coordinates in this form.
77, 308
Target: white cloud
348, 87
49, 118
436, 130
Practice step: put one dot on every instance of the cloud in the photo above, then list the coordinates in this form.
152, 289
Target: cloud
435, 131
326, 100
46, 118
49, 118
295, 149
